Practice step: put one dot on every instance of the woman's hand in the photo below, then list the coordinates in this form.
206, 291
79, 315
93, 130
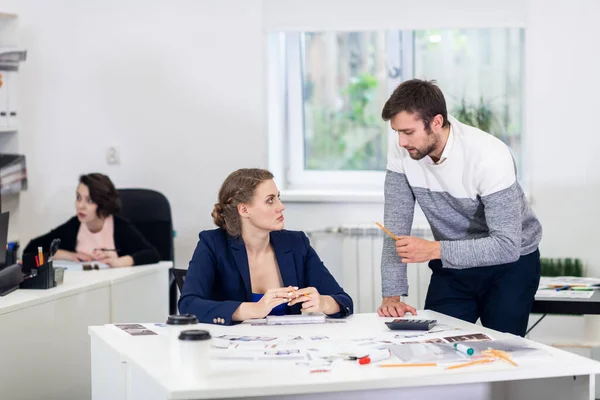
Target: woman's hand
271, 299
69, 255
119, 262
112, 259
104, 256
310, 299
313, 302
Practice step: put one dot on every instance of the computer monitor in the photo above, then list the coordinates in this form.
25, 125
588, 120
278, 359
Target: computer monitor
3, 238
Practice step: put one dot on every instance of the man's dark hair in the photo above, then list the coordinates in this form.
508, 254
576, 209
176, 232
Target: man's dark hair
103, 193
418, 96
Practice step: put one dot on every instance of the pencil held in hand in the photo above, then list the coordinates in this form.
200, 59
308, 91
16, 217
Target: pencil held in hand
386, 231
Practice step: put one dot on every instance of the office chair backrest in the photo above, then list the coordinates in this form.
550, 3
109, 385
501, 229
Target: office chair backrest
179, 277
150, 212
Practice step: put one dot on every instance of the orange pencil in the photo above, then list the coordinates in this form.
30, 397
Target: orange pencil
41, 255
482, 361
499, 354
408, 365
294, 295
386, 231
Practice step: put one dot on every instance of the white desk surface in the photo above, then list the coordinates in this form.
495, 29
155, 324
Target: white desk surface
154, 355
76, 282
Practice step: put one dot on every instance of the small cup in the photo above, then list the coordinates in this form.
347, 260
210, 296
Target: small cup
59, 274
194, 349
183, 319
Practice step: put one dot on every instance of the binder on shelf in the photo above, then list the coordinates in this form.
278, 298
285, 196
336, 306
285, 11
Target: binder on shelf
13, 174
3, 100
12, 89
12, 56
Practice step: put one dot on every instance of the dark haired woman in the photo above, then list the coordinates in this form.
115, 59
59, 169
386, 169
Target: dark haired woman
250, 266
96, 233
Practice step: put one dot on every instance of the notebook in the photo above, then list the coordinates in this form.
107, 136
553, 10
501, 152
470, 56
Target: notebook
293, 319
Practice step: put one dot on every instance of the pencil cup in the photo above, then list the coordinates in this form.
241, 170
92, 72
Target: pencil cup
42, 277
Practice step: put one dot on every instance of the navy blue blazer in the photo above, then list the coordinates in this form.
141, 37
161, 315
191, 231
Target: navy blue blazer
218, 276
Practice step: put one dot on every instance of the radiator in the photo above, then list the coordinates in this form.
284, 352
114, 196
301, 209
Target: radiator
352, 253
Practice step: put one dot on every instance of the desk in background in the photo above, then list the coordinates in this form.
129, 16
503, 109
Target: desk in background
588, 307
566, 306
144, 367
44, 345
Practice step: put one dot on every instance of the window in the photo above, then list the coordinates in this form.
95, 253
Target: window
333, 86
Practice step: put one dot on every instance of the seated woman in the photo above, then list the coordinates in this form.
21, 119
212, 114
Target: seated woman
250, 267
96, 233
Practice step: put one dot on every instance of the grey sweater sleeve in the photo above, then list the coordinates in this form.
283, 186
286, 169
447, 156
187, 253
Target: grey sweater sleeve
502, 245
398, 215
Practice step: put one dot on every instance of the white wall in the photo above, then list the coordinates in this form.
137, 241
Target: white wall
180, 86
561, 142
562, 102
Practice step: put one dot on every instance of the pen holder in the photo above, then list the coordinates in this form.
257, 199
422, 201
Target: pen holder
42, 277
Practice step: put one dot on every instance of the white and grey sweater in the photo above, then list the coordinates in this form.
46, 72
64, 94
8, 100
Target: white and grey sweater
472, 200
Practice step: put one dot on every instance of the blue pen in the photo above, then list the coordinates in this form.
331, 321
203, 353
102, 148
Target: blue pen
562, 288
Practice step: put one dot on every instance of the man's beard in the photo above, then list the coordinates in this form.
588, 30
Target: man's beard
420, 153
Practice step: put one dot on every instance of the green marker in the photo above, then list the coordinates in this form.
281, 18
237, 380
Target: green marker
464, 349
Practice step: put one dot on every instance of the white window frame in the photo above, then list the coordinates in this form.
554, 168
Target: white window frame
290, 162
286, 119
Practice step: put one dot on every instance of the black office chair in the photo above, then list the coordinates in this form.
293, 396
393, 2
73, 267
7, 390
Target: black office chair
179, 277
150, 212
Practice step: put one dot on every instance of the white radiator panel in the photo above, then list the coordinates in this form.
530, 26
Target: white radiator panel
353, 256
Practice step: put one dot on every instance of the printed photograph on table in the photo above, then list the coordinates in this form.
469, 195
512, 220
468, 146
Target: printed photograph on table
135, 329
467, 338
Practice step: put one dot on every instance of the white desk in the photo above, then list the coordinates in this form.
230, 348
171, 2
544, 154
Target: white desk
143, 367
44, 346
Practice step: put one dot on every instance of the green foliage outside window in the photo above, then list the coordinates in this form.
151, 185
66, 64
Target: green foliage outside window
350, 139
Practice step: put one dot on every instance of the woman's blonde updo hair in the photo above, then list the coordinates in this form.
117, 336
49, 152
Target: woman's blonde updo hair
238, 188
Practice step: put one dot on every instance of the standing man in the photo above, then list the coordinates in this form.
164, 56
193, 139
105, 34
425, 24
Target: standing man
485, 259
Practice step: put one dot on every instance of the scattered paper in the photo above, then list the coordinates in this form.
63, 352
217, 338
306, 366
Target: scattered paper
563, 294
238, 338
79, 266
573, 281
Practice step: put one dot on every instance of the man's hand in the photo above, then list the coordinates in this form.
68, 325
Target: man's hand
416, 250
393, 307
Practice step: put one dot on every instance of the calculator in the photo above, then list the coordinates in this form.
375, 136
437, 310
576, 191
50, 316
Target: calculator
405, 324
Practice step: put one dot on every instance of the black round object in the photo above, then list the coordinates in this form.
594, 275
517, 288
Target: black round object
194, 334
185, 319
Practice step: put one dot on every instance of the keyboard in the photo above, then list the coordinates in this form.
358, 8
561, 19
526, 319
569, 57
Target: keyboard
411, 324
